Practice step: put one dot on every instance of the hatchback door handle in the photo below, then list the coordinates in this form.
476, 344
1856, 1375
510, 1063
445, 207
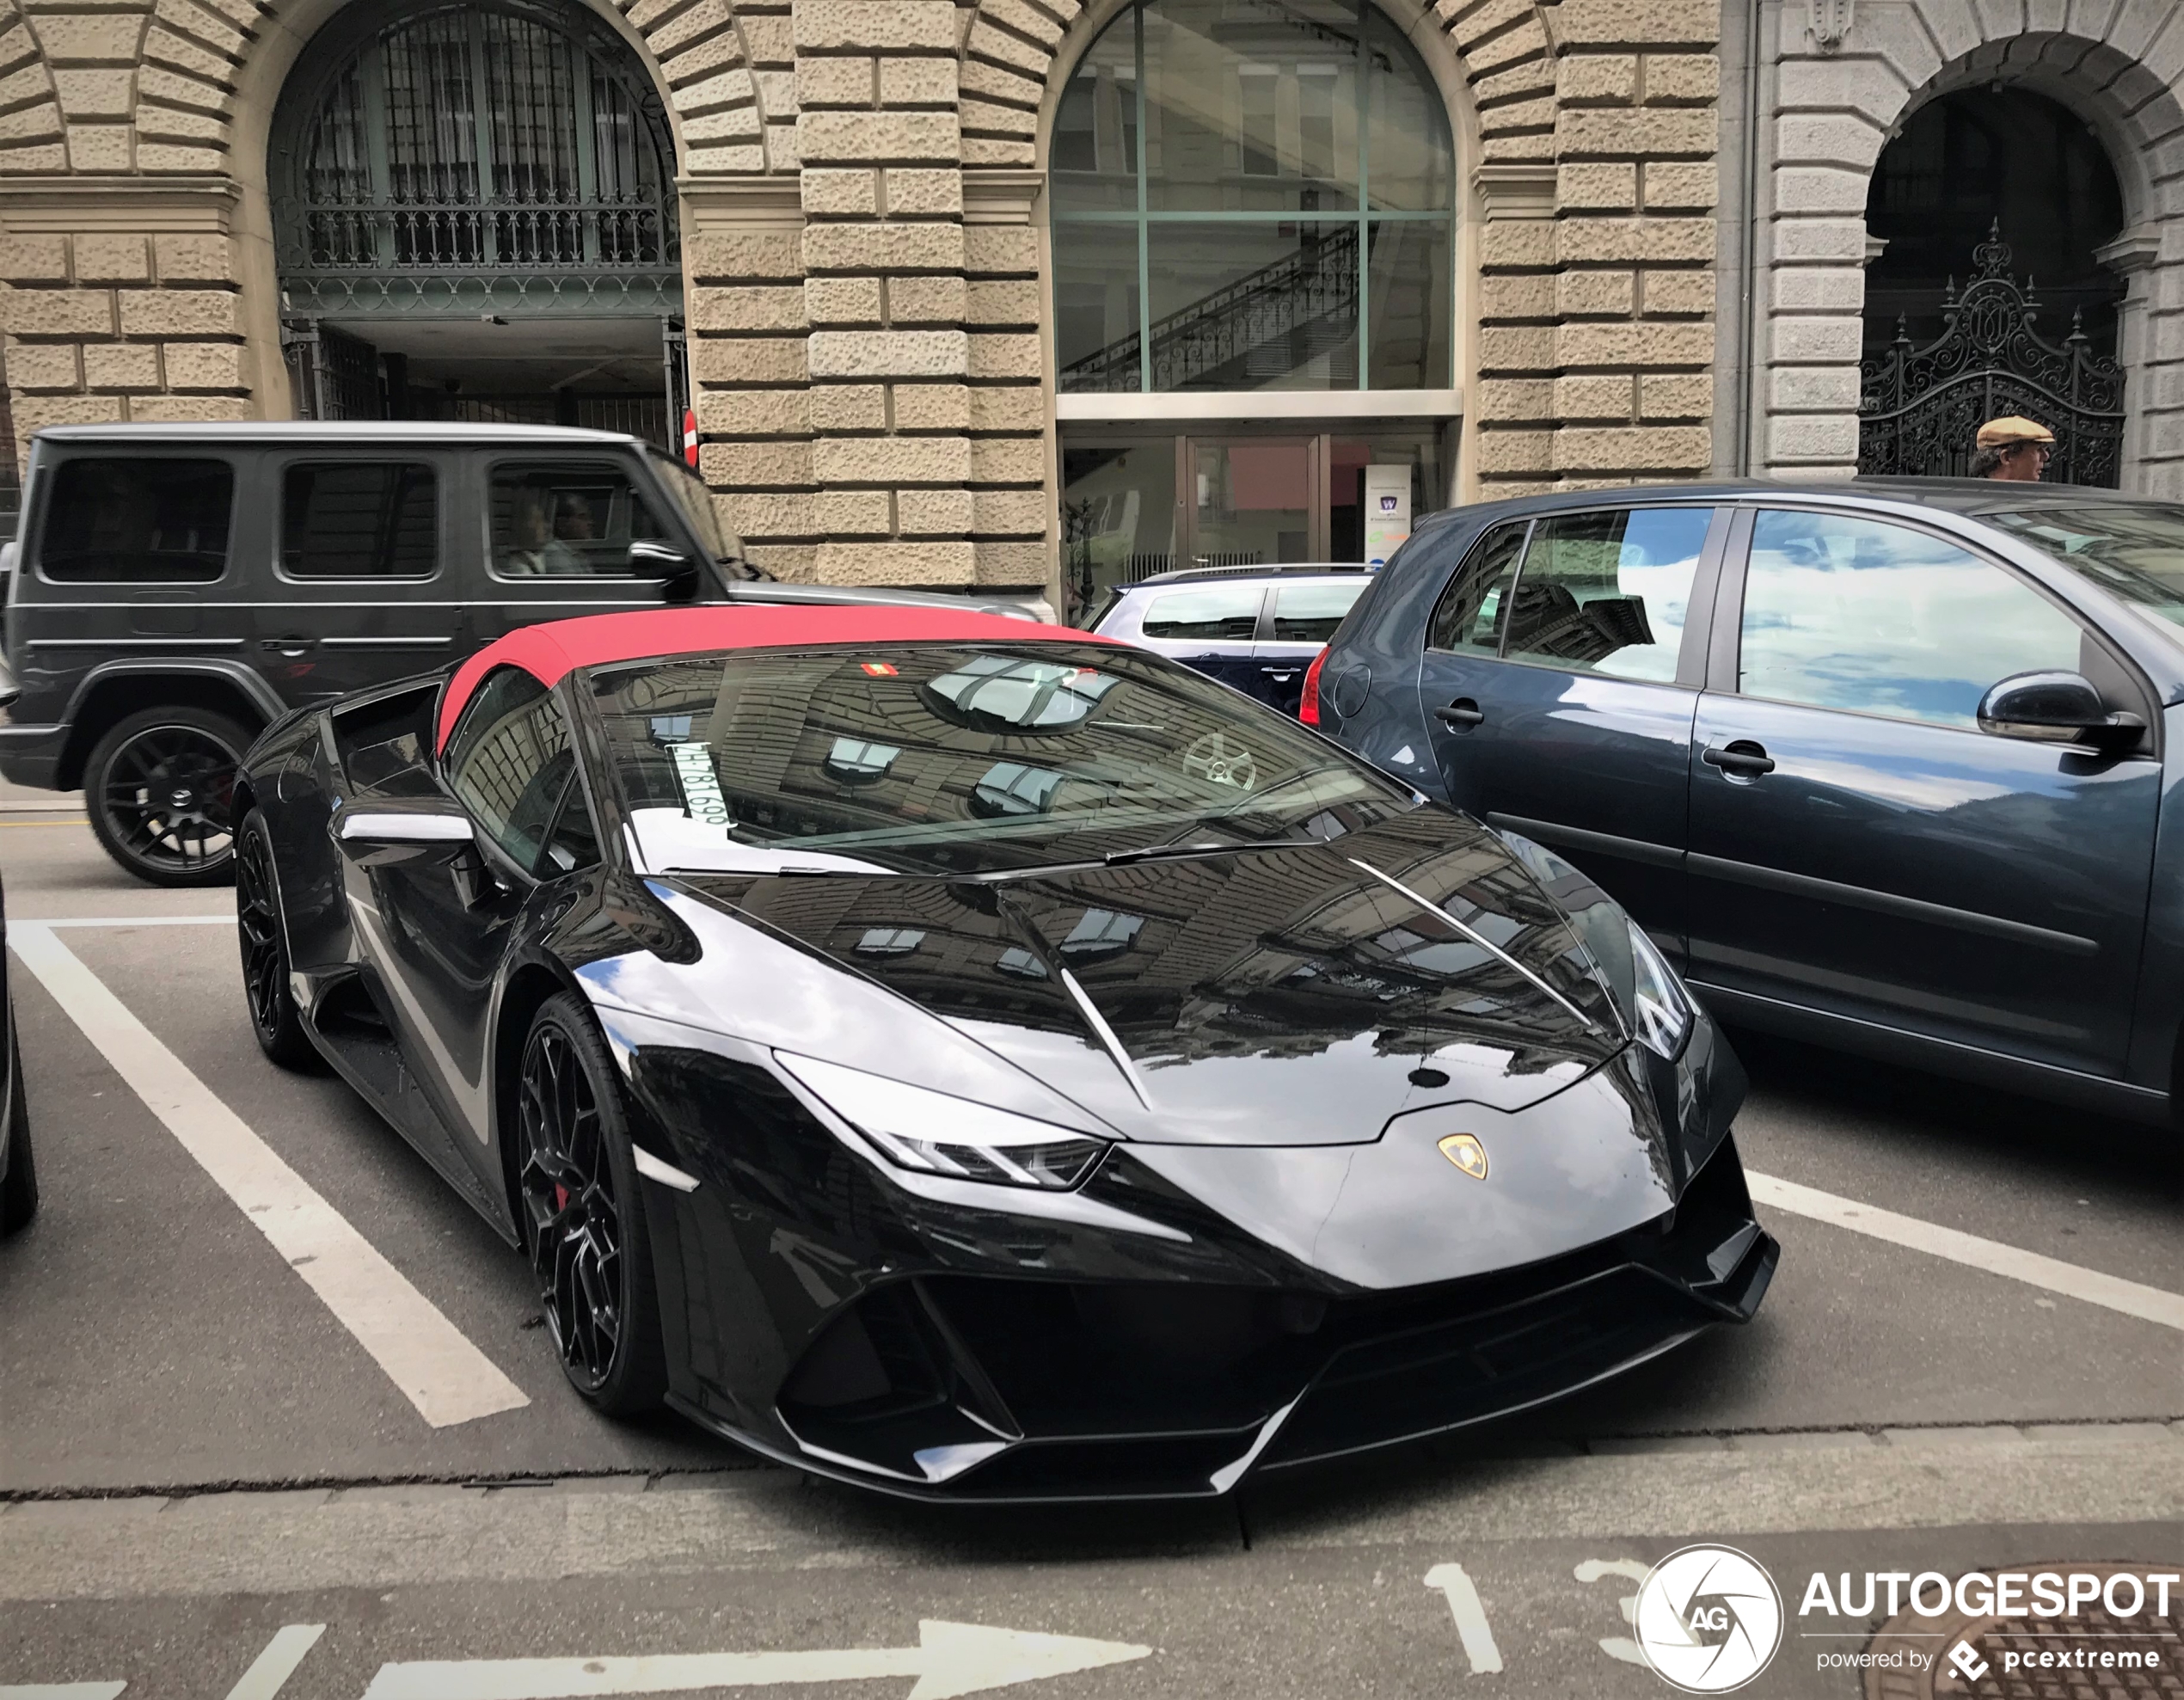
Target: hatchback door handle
1280, 675
1744, 758
1463, 712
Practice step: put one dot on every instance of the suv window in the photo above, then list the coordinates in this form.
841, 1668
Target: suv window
1219, 614
567, 519
1880, 619
1470, 614
141, 521
1607, 592
1309, 613
510, 761
359, 520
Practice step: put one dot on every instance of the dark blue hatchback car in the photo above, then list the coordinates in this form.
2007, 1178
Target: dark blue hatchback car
1883, 766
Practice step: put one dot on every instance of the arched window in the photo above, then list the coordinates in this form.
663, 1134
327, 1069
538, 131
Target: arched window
1252, 194
450, 158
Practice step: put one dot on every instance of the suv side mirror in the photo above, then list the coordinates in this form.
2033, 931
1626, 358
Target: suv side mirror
675, 572
2055, 707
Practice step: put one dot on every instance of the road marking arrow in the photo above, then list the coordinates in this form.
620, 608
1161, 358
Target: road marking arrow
950, 1659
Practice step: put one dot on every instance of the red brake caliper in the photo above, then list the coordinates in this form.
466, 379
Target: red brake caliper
561, 1196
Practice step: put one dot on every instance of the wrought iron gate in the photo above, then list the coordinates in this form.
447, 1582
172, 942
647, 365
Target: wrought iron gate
1919, 408
335, 374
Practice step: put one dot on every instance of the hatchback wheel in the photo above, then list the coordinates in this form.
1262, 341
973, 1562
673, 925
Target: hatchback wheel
159, 787
274, 1017
583, 1219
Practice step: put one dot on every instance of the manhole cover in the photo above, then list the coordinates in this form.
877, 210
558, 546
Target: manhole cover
2093, 1631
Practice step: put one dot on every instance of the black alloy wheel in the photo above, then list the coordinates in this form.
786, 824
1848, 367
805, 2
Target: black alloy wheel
583, 1218
19, 1185
159, 787
274, 1017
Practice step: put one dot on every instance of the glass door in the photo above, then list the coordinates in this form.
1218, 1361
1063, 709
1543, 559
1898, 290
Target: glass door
1254, 502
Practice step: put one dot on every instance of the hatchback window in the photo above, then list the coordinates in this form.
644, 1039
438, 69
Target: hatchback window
568, 519
359, 520
1607, 592
1219, 614
1842, 612
140, 521
1309, 613
2134, 553
1470, 614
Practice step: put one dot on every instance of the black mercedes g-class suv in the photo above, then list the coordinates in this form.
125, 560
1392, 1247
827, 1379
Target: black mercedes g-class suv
178, 587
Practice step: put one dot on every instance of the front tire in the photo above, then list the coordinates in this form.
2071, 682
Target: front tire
18, 1190
159, 787
583, 1216
275, 1020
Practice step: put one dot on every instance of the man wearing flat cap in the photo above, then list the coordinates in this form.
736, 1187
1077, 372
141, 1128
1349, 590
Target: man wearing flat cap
2014, 450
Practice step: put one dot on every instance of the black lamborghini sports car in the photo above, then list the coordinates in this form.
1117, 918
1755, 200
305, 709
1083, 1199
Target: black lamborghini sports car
974, 1059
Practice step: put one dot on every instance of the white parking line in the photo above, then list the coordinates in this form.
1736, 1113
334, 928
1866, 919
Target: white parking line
2112, 1293
427, 1357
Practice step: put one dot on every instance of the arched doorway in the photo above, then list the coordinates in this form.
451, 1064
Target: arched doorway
474, 212
1985, 292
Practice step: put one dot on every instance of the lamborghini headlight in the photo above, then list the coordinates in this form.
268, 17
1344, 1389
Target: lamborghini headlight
941, 1134
1660, 1008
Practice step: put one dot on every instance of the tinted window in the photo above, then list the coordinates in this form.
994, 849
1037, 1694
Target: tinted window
566, 519
1470, 614
1221, 613
1858, 614
508, 761
359, 520
1309, 613
137, 521
1606, 592
573, 843
384, 745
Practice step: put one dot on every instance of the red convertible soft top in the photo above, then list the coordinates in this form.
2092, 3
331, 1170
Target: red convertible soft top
548, 651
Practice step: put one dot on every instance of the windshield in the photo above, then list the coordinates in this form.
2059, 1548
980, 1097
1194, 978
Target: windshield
696, 502
2134, 553
951, 760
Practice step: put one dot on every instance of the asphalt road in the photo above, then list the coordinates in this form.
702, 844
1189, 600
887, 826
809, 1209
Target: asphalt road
195, 1453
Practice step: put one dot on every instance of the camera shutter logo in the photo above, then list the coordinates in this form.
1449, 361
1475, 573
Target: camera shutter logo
1708, 1619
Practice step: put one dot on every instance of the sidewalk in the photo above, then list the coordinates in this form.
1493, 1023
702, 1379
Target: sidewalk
22, 800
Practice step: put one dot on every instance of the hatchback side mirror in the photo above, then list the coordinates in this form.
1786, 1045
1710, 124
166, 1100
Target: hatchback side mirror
675, 572
2055, 707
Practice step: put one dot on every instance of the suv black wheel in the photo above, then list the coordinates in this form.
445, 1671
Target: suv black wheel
19, 1187
274, 1018
158, 787
583, 1218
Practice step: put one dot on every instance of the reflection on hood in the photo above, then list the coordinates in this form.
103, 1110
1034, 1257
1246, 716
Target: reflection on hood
1276, 996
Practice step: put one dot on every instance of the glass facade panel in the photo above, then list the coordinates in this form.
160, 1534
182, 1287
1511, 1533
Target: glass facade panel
1093, 164
1118, 518
1253, 504
1406, 278
1096, 320
1253, 306
1411, 154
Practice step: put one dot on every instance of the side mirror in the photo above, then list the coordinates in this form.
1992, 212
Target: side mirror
2055, 707
675, 572
384, 835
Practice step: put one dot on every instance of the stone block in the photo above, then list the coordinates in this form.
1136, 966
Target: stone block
917, 82
1607, 186
43, 366
883, 137
711, 57
1818, 289
90, 37
1639, 450
1675, 395
1502, 400
135, 365
995, 355
1844, 140
849, 407
781, 463
33, 259
1008, 460
835, 82
58, 312
1012, 407
730, 86
188, 409
999, 83
1536, 114
891, 460
35, 413
853, 193
726, 124
936, 246
706, 19
748, 361
1516, 348
934, 513
1597, 79
1011, 513
1678, 293
1812, 389
792, 564
1821, 189
1803, 240
1026, 20
1646, 344
986, 118
1511, 244
1652, 131
842, 301
171, 123
1870, 86
1681, 186
999, 250
105, 259
1604, 399
31, 83
1809, 341
754, 413
913, 191
986, 42
875, 25
1527, 295
47, 157
1515, 451
1602, 23
768, 39
1812, 437
754, 307
105, 147
1682, 79
154, 83
1595, 294
1005, 304
890, 353
164, 46
930, 407
851, 513
743, 159
1019, 565
927, 301
1649, 240
743, 256
94, 94
940, 564
778, 514
994, 153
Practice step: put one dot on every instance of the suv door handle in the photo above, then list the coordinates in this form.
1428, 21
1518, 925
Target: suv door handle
295, 644
1742, 759
1462, 715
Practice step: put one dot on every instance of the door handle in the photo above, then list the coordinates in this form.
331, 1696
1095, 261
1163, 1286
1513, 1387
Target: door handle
1462, 715
1742, 759
294, 644
1280, 675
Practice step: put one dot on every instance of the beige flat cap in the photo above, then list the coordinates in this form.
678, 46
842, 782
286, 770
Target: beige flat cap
2001, 433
